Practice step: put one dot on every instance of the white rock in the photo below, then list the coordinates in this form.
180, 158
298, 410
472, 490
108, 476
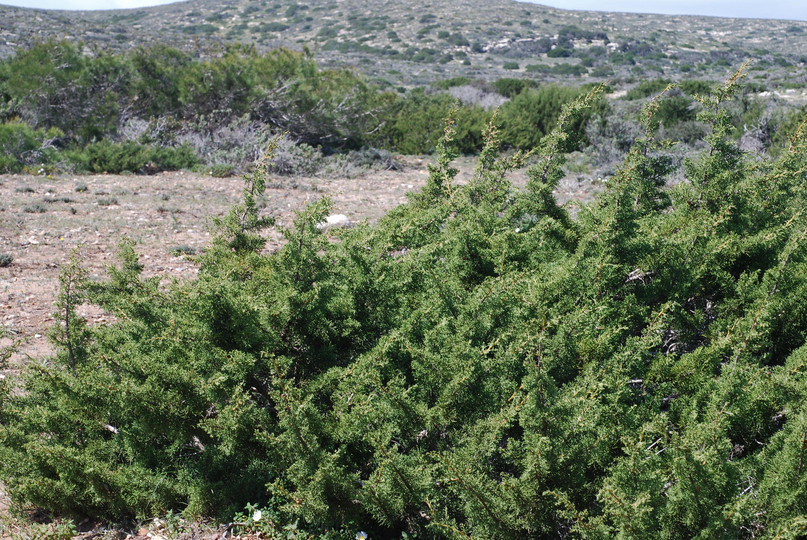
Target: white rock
337, 220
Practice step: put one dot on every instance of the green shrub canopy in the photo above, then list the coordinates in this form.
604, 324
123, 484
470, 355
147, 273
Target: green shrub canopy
477, 365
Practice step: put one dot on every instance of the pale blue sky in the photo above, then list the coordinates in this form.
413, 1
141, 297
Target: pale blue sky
84, 4
760, 9
766, 9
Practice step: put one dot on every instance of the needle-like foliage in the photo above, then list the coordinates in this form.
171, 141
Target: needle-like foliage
477, 365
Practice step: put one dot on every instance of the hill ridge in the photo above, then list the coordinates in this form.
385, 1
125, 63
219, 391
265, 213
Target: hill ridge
471, 38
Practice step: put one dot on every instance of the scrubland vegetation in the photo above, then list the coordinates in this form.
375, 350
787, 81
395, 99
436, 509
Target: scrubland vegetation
479, 364
158, 108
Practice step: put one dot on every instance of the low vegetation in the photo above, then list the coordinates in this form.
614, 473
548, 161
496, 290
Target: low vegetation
477, 365
163, 110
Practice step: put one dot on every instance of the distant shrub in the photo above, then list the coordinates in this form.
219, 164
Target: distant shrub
6, 259
575, 32
373, 159
647, 88
35, 208
54, 85
294, 9
510, 65
687, 131
569, 69
697, 87
178, 251
328, 32
596, 51
274, 27
291, 158
413, 124
510, 87
622, 58
22, 146
222, 170
445, 84
675, 109
585, 61
458, 40
537, 68
602, 71
530, 115
106, 156
559, 52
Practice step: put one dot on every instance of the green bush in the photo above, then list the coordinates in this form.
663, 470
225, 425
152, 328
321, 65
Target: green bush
559, 52
158, 72
537, 68
53, 85
673, 110
452, 82
222, 170
510, 87
654, 87
36, 208
695, 87
129, 156
414, 124
477, 365
569, 69
647, 88
530, 115
21, 146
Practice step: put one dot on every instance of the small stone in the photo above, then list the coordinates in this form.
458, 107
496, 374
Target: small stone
335, 221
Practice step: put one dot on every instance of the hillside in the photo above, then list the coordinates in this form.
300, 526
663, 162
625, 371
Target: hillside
475, 38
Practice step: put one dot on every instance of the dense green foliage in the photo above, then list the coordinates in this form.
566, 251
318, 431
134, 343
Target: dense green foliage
415, 124
129, 156
89, 96
652, 87
25, 149
531, 115
58, 104
477, 365
141, 106
21, 146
